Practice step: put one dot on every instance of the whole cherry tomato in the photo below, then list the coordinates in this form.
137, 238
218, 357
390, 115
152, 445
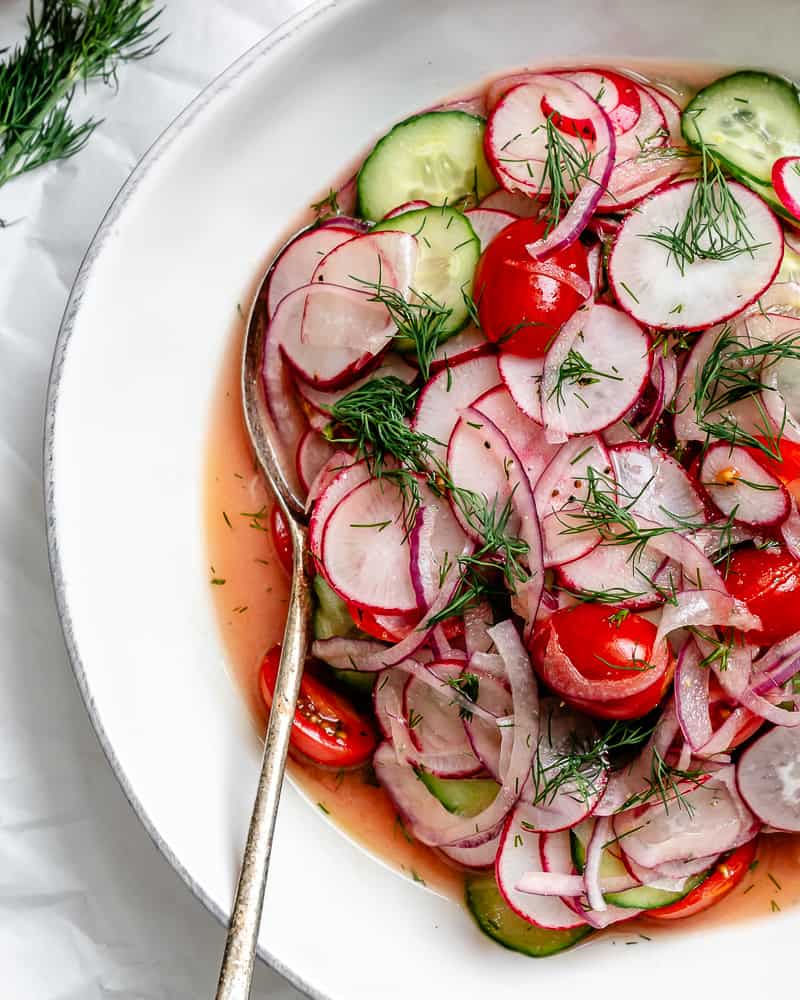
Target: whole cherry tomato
326, 727
520, 304
604, 662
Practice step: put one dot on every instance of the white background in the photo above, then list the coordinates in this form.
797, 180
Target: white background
89, 910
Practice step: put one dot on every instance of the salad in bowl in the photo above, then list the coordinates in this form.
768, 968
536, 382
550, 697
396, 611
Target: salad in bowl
537, 368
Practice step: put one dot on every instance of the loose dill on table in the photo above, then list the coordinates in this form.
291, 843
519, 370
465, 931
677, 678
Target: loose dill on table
714, 226
66, 43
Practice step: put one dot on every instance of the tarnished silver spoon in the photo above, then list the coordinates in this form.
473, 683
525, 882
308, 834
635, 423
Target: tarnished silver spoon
240, 948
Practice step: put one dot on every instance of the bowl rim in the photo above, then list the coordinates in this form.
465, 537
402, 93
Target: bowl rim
182, 121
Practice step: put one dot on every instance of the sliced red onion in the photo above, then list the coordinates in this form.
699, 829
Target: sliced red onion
425, 573
387, 694
778, 665
476, 624
594, 855
691, 696
723, 737
489, 663
482, 856
485, 735
350, 654
705, 607
438, 730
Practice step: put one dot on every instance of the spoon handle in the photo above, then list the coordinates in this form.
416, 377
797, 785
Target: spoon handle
240, 948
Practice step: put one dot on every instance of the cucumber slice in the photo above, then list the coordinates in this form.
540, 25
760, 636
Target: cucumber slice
644, 897
447, 255
749, 119
499, 922
435, 157
358, 681
462, 796
611, 865
331, 617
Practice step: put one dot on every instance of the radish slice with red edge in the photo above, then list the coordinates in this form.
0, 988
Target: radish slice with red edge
717, 820
526, 436
594, 370
553, 802
482, 856
560, 494
626, 573
313, 452
488, 222
786, 181
468, 344
318, 402
446, 394
295, 265
646, 135
742, 488
435, 722
692, 294
282, 406
407, 206
523, 379
520, 854
768, 775
339, 486
651, 484
483, 735
520, 205
364, 552
616, 94
780, 374
516, 147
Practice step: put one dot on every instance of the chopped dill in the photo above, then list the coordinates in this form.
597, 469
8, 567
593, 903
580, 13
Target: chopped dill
575, 370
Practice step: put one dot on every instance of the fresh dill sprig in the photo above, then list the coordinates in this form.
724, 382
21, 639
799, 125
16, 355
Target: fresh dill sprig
420, 323
664, 783
575, 370
326, 207
500, 552
579, 766
735, 371
714, 226
468, 686
611, 595
67, 43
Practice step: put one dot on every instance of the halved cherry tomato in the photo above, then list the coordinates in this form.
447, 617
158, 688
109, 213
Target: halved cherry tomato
404, 624
608, 647
788, 468
725, 876
513, 295
768, 581
281, 538
326, 728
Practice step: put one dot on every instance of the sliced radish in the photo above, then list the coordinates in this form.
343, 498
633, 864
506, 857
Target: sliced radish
560, 493
407, 206
625, 572
435, 721
781, 374
648, 132
483, 735
742, 488
327, 367
488, 222
313, 452
365, 551
318, 402
562, 732
768, 775
786, 181
647, 280
447, 394
523, 379
468, 344
653, 485
519, 854
617, 95
338, 487
715, 821
295, 265
386, 258
593, 371
482, 856
527, 437
284, 411
519, 205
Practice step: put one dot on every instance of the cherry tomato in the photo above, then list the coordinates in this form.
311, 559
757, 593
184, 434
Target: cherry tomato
513, 295
725, 876
768, 581
326, 728
609, 648
787, 469
281, 538
402, 625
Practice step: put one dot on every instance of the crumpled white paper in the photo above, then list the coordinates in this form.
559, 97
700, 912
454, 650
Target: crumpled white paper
89, 910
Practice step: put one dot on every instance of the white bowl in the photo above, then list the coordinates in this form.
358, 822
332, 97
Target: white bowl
134, 371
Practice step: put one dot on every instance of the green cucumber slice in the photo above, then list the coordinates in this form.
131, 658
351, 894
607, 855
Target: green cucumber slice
462, 796
499, 922
644, 897
610, 864
748, 119
331, 617
358, 681
435, 157
447, 255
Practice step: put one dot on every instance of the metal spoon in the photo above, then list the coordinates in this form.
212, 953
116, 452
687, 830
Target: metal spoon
240, 948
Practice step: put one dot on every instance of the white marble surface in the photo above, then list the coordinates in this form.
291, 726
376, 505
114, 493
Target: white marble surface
89, 910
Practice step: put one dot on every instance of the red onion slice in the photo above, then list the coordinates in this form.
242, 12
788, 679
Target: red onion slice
691, 696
